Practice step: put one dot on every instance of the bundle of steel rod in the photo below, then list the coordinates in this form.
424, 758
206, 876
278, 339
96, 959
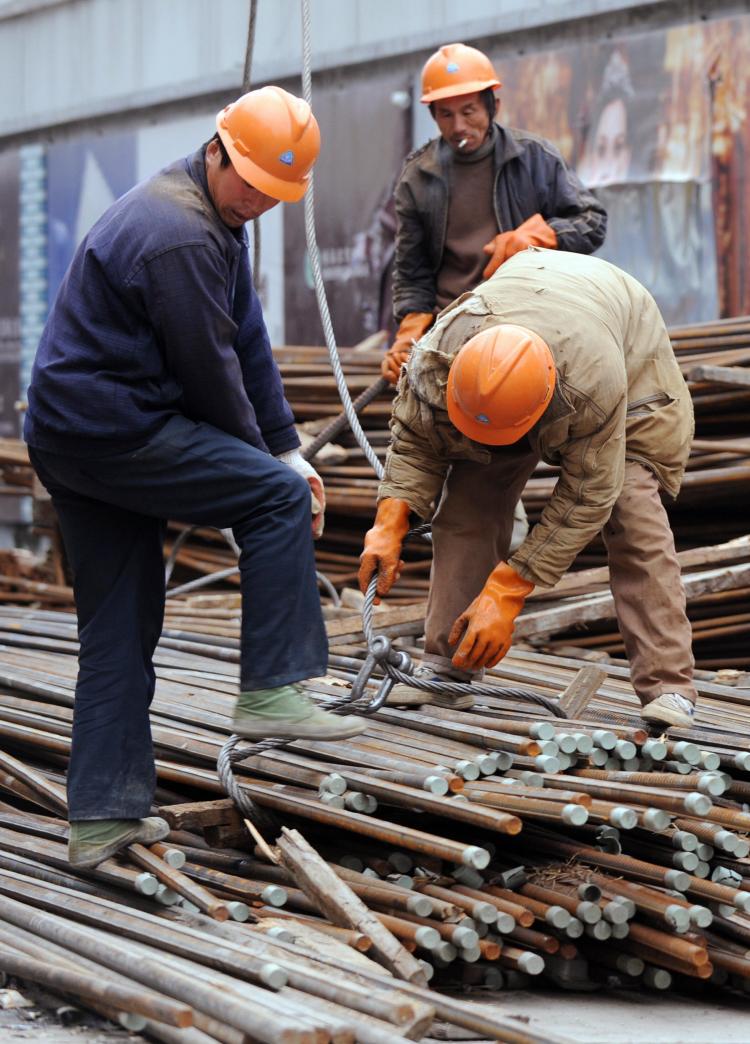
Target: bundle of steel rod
496, 845
713, 356
579, 611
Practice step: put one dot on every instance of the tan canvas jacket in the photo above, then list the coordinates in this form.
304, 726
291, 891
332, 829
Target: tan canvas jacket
619, 396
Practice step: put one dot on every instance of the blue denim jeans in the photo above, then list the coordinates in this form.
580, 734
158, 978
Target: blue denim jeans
112, 514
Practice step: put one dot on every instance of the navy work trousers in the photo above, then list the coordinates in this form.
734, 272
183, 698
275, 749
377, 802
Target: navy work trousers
112, 514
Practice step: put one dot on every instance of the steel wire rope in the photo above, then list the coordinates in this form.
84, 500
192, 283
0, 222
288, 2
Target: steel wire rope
314, 256
450, 688
379, 649
230, 753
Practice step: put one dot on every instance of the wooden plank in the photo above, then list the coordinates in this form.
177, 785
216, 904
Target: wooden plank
590, 608
719, 374
194, 815
579, 692
351, 625
730, 551
337, 901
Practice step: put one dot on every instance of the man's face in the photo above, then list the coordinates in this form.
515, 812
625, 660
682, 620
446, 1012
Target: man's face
463, 122
235, 200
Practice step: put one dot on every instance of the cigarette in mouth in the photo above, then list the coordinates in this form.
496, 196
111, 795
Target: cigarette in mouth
462, 142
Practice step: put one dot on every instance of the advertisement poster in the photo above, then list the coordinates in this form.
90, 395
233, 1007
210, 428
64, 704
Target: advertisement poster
658, 125
10, 332
84, 177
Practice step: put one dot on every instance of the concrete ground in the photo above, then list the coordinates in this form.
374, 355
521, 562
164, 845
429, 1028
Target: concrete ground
628, 1017
617, 1017
32, 1016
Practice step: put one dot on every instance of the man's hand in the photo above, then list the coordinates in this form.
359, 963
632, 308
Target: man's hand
383, 544
533, 232
295, 460
412, 326
487, 624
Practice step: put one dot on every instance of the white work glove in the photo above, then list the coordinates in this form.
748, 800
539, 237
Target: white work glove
295, 460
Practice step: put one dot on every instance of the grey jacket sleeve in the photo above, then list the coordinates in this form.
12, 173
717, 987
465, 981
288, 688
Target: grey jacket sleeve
576, 215
413, 276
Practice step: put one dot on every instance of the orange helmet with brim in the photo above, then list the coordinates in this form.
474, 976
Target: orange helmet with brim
499, 384
273, 141
456, 69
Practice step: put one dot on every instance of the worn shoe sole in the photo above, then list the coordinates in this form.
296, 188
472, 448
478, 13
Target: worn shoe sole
337, 728
665, 716
408, 696
146, 832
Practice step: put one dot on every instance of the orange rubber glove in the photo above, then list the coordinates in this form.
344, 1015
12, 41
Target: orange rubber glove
533, 232
411, 328
487, 624
383, 545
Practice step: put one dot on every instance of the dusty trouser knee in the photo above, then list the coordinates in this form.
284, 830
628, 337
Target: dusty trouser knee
471, 533
647, 588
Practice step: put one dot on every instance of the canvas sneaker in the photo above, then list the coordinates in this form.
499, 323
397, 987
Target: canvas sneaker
285, 712
91, 841
671, 708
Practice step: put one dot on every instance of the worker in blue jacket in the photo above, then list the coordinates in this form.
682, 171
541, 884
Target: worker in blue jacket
154, 395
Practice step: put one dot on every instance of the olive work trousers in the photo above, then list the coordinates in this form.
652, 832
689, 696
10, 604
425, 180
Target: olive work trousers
471, 533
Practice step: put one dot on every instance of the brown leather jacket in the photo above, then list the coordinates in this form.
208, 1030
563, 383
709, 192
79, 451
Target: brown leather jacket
619, 396
530, 177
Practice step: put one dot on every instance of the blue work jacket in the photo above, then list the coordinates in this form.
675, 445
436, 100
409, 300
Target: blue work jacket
157, 316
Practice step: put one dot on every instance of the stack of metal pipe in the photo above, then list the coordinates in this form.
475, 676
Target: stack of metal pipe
499, 845
709, 513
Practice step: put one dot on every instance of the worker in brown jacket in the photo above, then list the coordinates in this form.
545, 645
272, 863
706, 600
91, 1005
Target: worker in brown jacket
562, 358
471, 198
474, 196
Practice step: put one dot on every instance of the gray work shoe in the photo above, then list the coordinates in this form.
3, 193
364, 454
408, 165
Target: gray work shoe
91, 841
410, 696
671, 708
285, 712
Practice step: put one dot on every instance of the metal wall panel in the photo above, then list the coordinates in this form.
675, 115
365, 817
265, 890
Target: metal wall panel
69, 61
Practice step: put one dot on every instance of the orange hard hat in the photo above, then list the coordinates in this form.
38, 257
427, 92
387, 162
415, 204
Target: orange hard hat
273, 141
456, 69
500, 384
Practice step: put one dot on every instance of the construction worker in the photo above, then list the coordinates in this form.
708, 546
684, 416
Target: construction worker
566, 359
474, 196
155, 396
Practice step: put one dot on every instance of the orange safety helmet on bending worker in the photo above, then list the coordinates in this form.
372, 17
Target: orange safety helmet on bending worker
273, 140
499, 384
456, 69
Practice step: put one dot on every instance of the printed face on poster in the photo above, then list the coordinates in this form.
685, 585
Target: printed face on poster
658, 125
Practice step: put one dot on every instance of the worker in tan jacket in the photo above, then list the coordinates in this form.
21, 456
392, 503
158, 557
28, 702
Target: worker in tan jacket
563, 358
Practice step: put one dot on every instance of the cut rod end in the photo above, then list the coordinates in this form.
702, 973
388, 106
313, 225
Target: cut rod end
476, 857
419, 905
427, 937
677, 879
274, 895
146, 884
238, 911
698, 804
273, 976
531, 963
